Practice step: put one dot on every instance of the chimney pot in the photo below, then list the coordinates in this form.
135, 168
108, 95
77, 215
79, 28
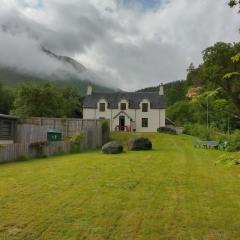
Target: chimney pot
89, 90
161, 89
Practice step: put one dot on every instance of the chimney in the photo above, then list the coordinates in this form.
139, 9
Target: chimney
161, 89
89, 90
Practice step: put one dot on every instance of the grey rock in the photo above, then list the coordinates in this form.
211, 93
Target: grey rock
139, 144
112, 148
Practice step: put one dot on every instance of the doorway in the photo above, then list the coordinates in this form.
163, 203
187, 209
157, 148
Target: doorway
121, 123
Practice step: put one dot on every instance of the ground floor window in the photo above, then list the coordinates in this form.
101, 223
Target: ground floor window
144, 122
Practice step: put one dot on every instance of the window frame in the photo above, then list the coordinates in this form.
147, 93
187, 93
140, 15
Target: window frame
123, 104
101, 108
145, 107
145, 124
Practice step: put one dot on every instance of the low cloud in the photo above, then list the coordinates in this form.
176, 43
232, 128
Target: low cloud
127, 46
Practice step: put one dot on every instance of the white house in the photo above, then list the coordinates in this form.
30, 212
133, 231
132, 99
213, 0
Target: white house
127, 111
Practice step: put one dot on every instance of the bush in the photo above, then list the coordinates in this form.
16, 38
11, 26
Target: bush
234, 142
203, 132
23, 158
75, 142
105, 131
167, 130
38, 147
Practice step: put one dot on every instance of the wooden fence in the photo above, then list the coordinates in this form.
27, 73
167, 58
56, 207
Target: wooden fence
67, 126
13, 152
32, 130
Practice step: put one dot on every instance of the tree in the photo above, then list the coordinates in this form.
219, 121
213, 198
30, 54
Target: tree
6, 99
71, 102
45, 100
218, 63
233, 3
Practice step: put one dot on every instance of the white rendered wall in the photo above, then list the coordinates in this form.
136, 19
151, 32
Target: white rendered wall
156, 117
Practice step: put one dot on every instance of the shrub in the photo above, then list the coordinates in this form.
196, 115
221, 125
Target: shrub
75, 142
203, 132
167, 130
38, 147
105, 131
234, 142
23, 158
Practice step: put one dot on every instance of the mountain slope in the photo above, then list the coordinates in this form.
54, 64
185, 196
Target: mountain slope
76, 75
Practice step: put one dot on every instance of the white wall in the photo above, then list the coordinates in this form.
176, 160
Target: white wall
156, 117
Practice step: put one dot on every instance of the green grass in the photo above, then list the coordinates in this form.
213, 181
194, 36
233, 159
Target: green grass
172, 192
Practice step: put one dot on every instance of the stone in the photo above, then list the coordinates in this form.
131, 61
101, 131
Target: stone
139, 144
112, 147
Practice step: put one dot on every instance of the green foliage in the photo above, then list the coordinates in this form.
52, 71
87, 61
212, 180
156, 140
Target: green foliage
75, 142
184, 112
174, 91
233, 3
105, 131
234, 142
38, 148
23, 158
6, 99
202, 132
105, 126
216, 68
45, 99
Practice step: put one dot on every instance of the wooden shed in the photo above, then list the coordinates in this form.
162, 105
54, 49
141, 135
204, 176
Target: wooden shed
8, 128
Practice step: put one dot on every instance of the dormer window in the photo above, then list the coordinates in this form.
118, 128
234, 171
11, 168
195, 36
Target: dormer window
123, 106
102, 107
145, 107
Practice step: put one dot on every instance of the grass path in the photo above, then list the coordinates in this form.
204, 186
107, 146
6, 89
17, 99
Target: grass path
172, 192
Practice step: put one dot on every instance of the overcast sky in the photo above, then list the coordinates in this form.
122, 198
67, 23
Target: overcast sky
131, 44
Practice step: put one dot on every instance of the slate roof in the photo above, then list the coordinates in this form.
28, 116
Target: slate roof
133, 98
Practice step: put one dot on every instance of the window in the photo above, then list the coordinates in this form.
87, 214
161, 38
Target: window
6, 130
145, 107
102, 107
123, 106
144, 122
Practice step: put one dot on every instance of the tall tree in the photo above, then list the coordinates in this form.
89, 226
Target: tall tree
45, 100
233, 3
217, 63
6, 99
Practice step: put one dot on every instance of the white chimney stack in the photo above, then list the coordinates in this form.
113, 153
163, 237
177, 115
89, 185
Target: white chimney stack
161, 89
89, 90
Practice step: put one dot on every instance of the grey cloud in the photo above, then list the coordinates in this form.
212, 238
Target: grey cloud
127, 48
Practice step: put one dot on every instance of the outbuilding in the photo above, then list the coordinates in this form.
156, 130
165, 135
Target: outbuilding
8, 128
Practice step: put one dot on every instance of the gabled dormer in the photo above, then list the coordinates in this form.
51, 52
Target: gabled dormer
123, 105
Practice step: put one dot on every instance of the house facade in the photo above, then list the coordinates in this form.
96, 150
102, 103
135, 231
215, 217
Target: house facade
127, 111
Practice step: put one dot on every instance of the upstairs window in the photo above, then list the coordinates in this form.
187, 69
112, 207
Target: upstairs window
145, 107
102, 107
144, 122
123, 106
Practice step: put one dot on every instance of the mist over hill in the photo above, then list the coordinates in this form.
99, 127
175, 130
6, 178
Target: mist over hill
71, 73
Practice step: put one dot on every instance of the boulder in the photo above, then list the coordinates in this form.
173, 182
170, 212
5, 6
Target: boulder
112, 148
139, 144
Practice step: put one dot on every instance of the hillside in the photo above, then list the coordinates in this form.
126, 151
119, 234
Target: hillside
174, 91
72, 77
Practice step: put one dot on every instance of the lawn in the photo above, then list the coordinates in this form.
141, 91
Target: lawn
172, 192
